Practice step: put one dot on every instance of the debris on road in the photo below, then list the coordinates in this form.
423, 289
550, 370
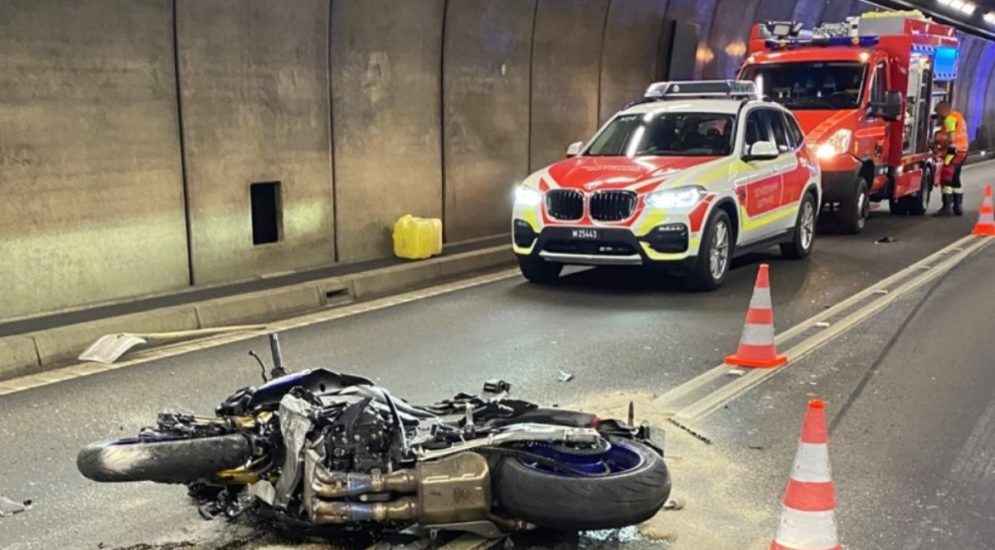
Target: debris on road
698, 435
564, 376
10, 507
885, 240
720, 509
736, 372
674, 504
623, 535
496, 385
823, 324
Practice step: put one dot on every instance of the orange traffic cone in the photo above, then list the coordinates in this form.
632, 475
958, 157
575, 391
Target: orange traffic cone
986, 216
807, 517
756, 347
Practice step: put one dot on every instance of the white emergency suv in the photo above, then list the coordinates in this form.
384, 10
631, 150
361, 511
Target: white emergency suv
691, 176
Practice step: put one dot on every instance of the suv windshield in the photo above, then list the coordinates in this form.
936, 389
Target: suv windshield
807, 85
665, 134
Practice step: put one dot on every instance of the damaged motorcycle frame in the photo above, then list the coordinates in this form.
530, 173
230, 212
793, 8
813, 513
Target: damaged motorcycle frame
358, 465
317, 448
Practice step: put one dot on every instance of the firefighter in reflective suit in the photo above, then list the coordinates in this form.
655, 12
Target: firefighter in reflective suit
952, 142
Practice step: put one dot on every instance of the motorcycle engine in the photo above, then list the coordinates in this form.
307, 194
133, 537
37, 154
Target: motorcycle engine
358, 440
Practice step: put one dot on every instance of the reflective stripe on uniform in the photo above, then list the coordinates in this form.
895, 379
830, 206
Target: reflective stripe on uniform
947, 190
956, 125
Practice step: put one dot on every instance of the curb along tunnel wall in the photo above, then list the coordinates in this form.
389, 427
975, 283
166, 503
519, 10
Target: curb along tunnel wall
133, 129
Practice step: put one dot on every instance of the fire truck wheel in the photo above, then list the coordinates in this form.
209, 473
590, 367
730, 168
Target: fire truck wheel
916, 205
854, 210
899, 206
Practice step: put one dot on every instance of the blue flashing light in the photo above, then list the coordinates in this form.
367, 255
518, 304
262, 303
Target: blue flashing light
945, 62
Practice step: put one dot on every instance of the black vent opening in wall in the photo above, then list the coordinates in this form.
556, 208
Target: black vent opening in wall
265, 198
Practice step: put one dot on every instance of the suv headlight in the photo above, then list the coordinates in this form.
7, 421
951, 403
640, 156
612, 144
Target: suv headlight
527, 196
680, 197
836, 145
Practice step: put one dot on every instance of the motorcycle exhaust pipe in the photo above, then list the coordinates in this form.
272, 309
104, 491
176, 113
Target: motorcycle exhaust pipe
402, 509
454, 489
330, 484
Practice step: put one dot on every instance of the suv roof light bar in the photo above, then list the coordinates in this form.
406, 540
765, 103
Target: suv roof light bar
701, 89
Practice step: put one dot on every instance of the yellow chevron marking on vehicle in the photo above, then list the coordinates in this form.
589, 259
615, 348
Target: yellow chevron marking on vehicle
531, 216
720, 172
768, 218
650, 220
654, 255
524, 251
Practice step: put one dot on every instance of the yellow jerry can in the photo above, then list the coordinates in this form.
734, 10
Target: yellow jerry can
417, 238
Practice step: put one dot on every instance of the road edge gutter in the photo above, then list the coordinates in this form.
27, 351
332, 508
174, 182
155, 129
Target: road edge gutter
36, 352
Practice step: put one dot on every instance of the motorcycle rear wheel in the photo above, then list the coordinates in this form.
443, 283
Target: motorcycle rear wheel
565, 502
163, 460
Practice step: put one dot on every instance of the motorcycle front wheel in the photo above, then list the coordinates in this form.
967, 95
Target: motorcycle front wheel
163, 460
625, 484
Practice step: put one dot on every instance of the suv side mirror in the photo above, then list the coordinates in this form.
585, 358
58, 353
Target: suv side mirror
574, 148
889, 109
761, 150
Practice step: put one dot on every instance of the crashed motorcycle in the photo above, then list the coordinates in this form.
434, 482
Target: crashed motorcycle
315, 448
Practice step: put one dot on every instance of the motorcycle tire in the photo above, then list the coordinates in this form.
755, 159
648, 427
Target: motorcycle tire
163, 460
567, 503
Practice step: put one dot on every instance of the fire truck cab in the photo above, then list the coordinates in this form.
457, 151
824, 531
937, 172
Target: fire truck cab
863, 91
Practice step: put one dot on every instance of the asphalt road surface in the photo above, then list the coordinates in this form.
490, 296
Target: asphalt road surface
910, 391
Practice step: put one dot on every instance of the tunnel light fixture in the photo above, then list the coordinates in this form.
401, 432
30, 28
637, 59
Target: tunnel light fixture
990, 18
963, 6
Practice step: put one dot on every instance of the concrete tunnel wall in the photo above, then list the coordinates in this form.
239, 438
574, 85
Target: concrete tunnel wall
128, 121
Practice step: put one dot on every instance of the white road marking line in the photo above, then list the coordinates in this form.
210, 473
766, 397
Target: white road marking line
31, 381
710, 375
723, 395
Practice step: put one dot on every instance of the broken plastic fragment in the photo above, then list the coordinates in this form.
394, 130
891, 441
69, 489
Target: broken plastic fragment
564, 376
10, 507
674, 504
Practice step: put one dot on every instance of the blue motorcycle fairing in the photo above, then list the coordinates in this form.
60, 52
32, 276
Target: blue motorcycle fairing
315, 380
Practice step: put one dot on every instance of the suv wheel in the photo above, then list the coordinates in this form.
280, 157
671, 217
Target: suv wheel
800, 245
537, 270
714, 254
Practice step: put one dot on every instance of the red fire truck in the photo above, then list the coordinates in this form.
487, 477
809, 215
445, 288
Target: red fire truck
863, 91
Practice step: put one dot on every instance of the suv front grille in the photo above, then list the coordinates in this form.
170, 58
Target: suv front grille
565, 204
612, 206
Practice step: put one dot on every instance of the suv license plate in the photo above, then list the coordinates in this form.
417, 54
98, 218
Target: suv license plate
585, 234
